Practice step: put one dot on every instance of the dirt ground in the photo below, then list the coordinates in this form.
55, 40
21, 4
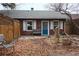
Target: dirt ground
43, 47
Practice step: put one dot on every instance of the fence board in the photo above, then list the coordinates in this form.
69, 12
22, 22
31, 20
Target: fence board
10, 31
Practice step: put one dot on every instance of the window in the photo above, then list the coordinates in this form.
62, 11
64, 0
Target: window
55, 24
29, 25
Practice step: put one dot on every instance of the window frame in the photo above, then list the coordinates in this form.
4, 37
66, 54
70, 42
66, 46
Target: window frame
26, 26
55, 25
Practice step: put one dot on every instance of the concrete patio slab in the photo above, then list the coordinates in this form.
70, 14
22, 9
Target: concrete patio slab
31, 37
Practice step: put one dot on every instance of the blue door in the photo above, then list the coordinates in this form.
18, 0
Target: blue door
45, 28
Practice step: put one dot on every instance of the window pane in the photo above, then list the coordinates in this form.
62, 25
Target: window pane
29, 23
29, 27
55, 24
55, 27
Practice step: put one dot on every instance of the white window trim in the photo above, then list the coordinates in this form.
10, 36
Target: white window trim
34, 24
61, 24
51, 25
24, 26
31, 25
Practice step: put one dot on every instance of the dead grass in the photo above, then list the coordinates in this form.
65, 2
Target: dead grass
43, 47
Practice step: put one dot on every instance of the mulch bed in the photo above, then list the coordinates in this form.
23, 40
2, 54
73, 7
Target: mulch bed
42, 47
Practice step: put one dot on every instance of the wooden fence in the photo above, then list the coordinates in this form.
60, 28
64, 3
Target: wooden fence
10, 31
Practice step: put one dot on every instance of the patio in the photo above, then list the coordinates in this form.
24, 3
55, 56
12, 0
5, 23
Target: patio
31, 37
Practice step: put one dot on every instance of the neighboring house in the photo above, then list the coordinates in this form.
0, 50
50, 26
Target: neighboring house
37, 22
75, 16
75, 19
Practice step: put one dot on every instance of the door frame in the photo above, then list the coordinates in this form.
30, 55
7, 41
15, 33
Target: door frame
42, 27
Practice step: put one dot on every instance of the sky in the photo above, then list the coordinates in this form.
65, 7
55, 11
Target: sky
36, 6
28, 6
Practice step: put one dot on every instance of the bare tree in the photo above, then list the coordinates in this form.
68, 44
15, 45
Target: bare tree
9, 5
65, 8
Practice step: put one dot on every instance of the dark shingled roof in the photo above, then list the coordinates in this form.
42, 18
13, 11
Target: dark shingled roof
34, 14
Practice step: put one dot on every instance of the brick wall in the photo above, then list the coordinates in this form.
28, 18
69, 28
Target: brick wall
38, 22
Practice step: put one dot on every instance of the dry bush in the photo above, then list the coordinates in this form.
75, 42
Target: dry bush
66, 42
55, 38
